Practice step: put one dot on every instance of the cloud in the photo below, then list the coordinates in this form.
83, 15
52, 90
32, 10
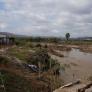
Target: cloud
3, 25
47, 17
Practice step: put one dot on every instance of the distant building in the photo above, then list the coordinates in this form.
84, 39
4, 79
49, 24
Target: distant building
88, 39
6, 40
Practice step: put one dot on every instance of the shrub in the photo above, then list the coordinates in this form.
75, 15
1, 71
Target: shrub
4, 60
42, 56
38, 45
15, 83
45, 46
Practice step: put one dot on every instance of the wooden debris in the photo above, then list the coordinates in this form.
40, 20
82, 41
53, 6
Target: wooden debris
71, 84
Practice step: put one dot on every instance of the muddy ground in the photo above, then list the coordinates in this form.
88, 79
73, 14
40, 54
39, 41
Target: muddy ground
77, 66
72, 67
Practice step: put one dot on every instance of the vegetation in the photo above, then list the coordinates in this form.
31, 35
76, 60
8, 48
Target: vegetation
19, 52
4, 60
77, 42
67, 36
22, 41
41, 56
12, 40
14, 83
37, 51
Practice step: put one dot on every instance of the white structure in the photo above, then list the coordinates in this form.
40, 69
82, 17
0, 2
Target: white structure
5, 39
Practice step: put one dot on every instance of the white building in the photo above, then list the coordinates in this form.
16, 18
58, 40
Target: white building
4, 39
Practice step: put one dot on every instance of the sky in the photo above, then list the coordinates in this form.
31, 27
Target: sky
46, 17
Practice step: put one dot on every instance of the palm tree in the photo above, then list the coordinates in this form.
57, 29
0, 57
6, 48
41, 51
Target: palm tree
67, 36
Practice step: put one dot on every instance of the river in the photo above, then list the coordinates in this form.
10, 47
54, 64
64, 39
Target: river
77, 64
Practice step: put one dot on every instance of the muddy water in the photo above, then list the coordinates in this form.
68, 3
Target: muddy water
77, 64
77, 54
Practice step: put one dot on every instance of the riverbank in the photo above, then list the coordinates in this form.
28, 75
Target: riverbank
76, 65
12, 64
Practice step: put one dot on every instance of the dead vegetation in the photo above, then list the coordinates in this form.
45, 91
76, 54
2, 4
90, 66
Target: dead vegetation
31, 80
53, 52
59, 47
48, 81
87, 49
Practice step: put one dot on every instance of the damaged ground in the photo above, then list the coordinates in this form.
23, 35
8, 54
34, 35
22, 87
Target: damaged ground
18, 78
75, 62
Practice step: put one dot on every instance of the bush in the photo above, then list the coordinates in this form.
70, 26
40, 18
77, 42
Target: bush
15, 83
42, 56
3, 60
45, 46
38, 45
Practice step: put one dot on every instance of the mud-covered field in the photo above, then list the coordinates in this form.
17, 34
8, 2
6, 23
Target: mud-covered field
75, 63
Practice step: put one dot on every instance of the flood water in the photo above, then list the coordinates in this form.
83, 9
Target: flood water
80, 65
79, 55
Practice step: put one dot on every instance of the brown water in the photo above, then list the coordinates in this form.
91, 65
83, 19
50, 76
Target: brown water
79, 55
80, 65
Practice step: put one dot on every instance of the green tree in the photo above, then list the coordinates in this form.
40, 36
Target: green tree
12, 40
67, 36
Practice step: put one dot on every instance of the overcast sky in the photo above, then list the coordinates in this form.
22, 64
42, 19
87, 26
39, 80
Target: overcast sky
46, 17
